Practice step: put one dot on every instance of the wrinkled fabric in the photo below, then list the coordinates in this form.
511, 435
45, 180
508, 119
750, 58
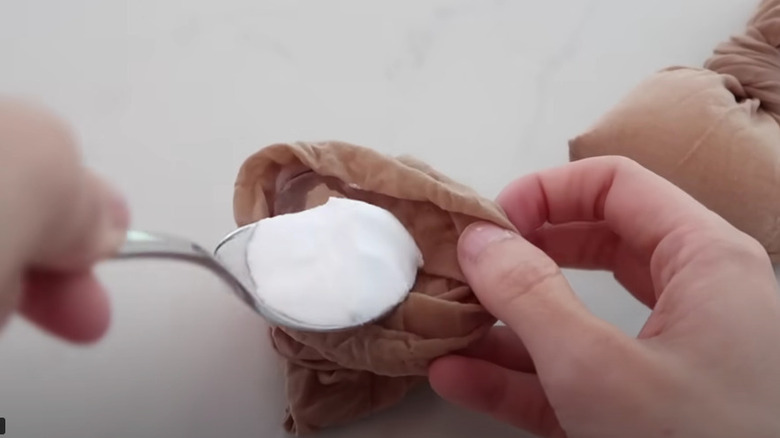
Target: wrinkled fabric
714, 132
336, 378
754, 58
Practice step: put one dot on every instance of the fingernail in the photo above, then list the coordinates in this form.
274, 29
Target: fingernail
117, 217
478, 236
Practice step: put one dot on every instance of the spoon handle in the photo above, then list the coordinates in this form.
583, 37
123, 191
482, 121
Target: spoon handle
145, 244
142, 244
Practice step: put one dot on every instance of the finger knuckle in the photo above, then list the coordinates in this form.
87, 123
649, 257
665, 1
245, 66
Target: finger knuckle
530, 278
752, 249
730, 246
622, 163
37, 132
713, 247
40, 155
40, 147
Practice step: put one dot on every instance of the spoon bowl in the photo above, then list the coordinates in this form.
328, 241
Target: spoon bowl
229, 262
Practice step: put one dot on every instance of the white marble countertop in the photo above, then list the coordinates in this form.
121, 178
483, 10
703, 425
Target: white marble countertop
169, 97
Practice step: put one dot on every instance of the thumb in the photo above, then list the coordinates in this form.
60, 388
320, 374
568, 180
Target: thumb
526, 290
58, 215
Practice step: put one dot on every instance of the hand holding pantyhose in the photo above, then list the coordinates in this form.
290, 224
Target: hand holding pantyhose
338, 377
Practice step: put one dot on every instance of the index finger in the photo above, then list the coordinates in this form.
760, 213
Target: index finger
639, 206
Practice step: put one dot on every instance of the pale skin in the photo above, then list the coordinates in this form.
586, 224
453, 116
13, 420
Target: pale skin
57, 219
706, 364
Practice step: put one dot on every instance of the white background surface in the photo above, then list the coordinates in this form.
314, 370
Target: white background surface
169, 97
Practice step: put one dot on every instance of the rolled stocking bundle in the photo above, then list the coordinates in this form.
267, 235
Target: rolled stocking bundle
338, 377
713, 131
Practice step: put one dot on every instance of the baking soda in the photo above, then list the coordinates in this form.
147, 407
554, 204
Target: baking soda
343, 263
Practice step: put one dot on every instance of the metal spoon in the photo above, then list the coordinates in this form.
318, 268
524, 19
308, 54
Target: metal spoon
228, 262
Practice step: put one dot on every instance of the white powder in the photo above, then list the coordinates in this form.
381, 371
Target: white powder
340, 264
